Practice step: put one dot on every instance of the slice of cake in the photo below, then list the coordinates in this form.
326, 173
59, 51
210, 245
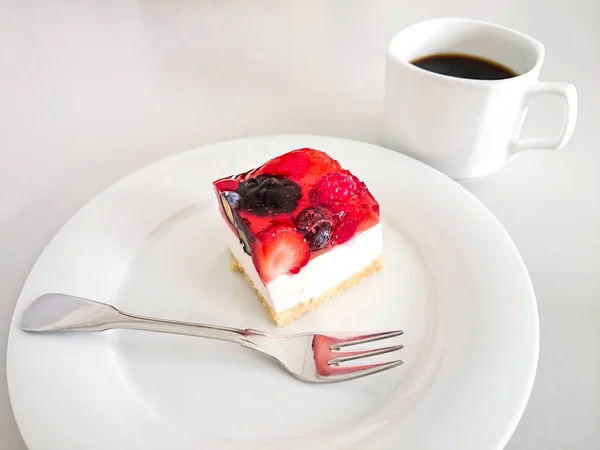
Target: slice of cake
302, 230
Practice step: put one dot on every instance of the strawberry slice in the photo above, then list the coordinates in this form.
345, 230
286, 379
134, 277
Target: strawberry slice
293, 164
280, 249
320, 163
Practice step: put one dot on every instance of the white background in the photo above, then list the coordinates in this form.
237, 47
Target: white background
91, 90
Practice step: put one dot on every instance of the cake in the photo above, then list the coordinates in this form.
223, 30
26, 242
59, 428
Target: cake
302, 230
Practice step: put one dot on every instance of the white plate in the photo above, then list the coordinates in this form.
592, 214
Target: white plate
453, 280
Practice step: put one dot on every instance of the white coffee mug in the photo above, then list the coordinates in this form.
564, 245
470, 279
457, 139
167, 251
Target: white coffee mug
466, 127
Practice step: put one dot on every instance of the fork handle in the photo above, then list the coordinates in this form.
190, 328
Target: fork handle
237, 335
54, 312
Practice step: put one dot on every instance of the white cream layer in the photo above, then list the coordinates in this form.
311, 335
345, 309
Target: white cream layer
319, 275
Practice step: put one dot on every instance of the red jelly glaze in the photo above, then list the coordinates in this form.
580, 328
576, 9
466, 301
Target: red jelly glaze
307, 167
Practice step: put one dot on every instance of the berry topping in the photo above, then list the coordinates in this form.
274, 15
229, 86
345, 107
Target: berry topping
334, 188
316, 224
348, 219
269, 194
293, 164
298, 202
280, 249
320, 162
345, 229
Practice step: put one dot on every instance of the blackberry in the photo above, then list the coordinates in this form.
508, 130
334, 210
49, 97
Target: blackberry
269, 194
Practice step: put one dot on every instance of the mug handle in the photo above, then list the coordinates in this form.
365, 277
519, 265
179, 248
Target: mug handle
568, 92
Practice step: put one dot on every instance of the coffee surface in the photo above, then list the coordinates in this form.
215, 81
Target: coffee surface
464, 66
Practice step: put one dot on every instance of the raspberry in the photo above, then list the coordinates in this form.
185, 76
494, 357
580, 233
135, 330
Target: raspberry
347, 221
346, 229
334, 188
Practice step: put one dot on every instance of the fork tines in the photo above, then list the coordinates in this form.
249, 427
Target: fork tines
336, 351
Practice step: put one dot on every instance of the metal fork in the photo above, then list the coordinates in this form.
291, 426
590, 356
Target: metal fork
311, 357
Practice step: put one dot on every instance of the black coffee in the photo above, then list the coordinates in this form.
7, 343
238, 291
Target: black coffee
464, 66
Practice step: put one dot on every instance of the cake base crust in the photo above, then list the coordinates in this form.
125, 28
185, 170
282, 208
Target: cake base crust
286, 317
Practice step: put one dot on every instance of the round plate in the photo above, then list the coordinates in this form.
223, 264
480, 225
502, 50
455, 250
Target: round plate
150, 244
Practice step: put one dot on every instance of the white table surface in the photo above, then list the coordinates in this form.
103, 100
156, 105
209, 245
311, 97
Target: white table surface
92, 90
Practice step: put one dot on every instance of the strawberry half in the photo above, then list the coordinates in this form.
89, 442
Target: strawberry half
280, 249
293, 165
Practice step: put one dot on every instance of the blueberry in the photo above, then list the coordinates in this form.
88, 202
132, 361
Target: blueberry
321, 237
234, 199
316, 224
230, 201
269, 194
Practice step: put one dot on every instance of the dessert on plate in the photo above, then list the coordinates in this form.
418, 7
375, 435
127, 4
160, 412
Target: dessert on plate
301, 229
